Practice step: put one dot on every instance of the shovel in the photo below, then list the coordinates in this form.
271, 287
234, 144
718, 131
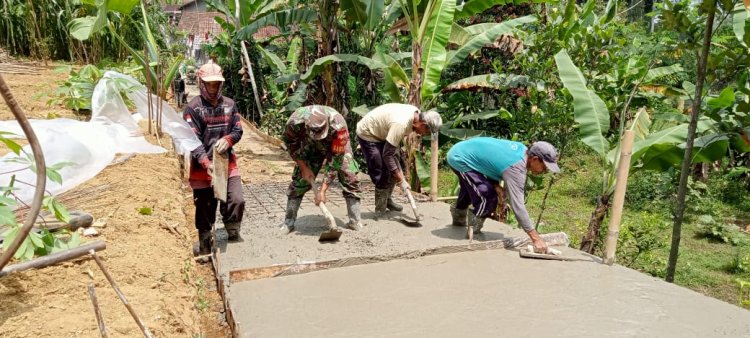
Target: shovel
413, 205
333, 233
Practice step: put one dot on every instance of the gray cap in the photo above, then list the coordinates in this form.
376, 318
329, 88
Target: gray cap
433, 120
547, 153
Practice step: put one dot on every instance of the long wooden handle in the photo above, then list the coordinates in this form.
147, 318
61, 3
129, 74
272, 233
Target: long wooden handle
323, 208
412, 203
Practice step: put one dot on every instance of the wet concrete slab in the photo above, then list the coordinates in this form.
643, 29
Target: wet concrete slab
265, 245
479, 294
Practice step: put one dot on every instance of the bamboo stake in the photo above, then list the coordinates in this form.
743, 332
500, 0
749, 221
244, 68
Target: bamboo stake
53, 259
252, 78
124, 300
623, 168
434, 168
97, 311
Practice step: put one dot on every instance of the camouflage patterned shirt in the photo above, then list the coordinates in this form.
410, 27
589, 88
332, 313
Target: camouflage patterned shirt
334, 148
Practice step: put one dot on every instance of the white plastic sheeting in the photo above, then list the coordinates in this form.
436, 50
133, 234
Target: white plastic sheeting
91, 146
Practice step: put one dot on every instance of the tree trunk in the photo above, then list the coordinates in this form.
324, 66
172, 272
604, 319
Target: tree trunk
413, 141
686, 161
327, 46
589, 241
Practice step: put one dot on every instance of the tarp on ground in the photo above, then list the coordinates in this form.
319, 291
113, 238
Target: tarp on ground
91, 146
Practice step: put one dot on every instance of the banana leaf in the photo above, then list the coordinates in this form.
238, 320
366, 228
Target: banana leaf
488, 81
657, 73
740, 23
488, 36
591, 112
273, 60
282, 19
320, 63
437, 30
423, 172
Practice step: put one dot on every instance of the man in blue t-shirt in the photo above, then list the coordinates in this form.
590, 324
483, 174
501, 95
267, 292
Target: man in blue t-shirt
481, 163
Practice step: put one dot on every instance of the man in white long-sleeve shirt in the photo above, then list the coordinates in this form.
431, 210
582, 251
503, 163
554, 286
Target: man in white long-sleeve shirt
480, 164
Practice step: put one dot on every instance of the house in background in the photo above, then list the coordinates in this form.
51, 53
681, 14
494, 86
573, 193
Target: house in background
193, 18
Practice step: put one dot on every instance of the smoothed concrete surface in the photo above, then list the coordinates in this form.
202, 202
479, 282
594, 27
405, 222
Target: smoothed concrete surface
479, 294
264, 245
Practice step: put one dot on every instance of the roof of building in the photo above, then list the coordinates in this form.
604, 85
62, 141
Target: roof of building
198, 23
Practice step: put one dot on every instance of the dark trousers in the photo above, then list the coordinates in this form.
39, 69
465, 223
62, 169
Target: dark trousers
205, 205
478, 190
373, 153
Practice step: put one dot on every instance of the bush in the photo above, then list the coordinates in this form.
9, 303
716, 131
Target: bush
720, 231
640, 238
649, 190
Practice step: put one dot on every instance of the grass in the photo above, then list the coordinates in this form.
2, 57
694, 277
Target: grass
705, 265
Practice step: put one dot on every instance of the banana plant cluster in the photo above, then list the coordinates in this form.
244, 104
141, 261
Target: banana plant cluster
149, 60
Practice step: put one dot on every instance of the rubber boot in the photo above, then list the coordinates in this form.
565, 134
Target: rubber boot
459, 216
233, 231
476, 224
352, 208
205, 242
381, 202
391, 205
292, 206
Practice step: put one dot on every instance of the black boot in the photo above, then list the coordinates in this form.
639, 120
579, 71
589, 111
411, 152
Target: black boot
391, 205
459, 216
381, 202
233, 231
205, 242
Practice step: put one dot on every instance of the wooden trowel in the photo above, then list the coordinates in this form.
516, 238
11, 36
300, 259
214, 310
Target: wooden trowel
552, 254
333, 233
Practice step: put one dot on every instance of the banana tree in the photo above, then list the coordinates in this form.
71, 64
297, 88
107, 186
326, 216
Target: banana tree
86, 27
653, 149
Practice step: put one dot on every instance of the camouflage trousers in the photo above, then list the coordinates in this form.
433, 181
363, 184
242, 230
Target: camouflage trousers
342, 167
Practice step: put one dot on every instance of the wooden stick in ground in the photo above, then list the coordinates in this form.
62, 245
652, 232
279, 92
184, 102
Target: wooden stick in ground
55, 258
97, 311
434, 168
623, 168
124, 300
252, 78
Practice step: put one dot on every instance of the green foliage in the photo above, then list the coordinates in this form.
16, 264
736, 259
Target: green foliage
650, 190
740, 263
721, 231
158, 73
744, 291
640, 241
590, 111
75, 92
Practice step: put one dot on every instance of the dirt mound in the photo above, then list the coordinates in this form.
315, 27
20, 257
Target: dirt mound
152, 264
148, 255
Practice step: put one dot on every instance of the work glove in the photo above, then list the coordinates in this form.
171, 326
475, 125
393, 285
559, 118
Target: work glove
404, 186
221, 145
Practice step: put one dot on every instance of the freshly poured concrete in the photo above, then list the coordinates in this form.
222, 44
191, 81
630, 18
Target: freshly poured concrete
488, 293
264, 245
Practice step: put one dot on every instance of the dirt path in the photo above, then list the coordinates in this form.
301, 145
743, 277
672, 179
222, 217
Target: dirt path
152, 264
